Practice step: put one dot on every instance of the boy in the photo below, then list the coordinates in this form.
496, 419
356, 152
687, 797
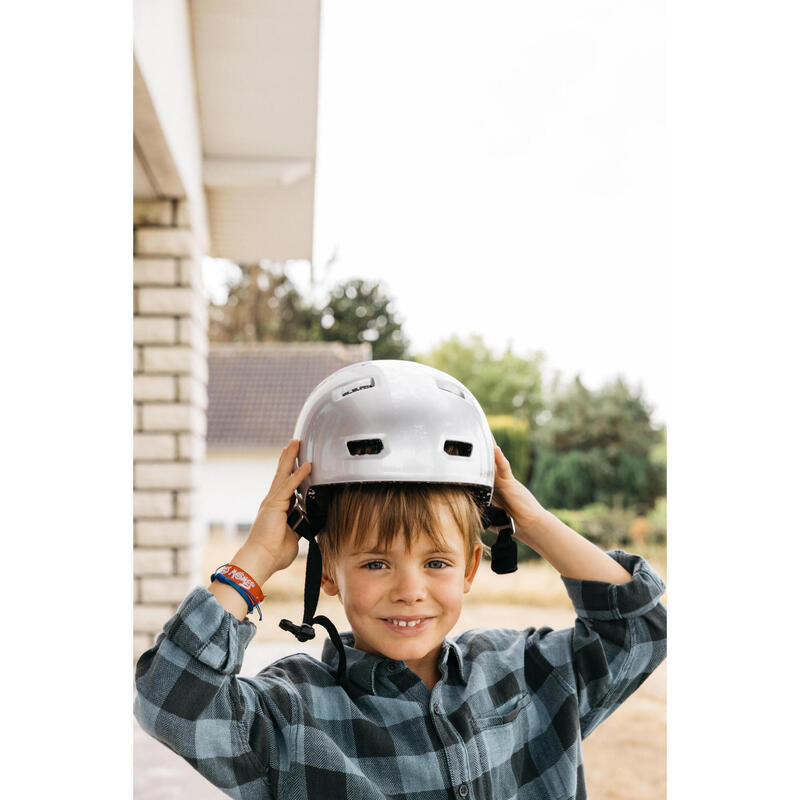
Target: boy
493, 713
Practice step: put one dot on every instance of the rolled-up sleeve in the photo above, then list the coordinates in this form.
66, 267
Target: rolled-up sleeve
190, 698
619, 638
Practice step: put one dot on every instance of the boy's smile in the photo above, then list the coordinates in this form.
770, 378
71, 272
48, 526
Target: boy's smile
402, 603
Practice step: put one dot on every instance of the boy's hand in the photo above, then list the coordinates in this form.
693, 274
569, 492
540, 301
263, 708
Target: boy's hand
511, 495
269, 532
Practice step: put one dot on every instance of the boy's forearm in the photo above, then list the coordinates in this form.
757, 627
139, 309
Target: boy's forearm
569, 552
253, 560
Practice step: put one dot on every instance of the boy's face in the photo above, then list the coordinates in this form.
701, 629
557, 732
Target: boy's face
378, 589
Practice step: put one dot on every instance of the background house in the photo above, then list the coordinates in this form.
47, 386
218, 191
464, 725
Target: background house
224, 153
255, 392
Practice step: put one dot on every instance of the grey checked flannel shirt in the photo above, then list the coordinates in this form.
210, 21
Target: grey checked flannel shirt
506, 719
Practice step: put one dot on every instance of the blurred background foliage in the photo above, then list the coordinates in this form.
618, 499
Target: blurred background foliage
592, 457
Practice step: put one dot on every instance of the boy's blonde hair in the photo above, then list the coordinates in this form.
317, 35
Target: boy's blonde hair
390, 509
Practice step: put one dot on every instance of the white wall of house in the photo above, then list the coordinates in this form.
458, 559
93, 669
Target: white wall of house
232, 484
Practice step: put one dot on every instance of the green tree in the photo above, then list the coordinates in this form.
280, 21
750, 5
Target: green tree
598, 447
263, 305
360, 311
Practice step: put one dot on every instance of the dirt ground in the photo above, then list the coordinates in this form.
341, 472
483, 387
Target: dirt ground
625, 758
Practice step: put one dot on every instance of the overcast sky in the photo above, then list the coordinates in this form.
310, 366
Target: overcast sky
499, 167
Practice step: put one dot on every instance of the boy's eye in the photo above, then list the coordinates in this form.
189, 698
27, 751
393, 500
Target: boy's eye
374, 564
441, 564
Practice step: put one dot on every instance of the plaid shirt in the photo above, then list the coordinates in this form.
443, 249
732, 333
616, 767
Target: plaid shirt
506, 719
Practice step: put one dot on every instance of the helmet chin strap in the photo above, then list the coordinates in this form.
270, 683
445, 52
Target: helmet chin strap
504, 550
300, 525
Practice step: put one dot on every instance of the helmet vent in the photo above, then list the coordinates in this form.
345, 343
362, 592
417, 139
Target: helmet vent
450, 387
453, 448
365, 447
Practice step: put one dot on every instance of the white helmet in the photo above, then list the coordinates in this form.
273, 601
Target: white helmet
383, 421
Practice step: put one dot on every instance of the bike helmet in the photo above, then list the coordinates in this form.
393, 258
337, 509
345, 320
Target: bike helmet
389, 421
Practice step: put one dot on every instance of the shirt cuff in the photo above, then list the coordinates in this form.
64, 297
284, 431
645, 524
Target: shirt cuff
601, 600
202, 628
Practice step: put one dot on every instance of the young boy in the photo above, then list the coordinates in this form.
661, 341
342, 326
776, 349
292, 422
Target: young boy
492, 713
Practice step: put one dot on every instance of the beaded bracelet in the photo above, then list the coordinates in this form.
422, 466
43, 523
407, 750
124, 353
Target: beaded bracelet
245, 585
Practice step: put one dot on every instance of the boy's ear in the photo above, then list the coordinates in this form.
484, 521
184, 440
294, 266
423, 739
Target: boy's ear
473, 568
329, 585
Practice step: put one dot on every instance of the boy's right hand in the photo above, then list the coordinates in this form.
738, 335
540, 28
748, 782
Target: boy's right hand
270, 533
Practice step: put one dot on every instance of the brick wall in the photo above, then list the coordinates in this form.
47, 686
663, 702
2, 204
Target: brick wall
170, 338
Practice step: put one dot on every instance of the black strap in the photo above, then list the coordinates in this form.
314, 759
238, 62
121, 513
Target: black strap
504, 550
300, 525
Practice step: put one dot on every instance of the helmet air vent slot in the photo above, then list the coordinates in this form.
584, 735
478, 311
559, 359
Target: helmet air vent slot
453, 448
450, 387
364, 447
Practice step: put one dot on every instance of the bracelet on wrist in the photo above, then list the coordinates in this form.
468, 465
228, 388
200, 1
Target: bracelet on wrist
243, 583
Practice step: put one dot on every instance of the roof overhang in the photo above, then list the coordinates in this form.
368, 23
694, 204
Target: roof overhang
256, 69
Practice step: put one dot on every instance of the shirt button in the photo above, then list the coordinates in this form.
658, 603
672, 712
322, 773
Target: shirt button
392, 666
463, 791
437, 708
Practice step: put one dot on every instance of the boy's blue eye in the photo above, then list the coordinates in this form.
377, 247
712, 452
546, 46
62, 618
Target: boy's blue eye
374, 565
437, 561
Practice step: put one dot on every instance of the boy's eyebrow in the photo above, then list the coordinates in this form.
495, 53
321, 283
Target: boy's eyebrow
378, 552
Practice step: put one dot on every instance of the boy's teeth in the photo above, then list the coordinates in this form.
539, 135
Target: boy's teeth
402, 623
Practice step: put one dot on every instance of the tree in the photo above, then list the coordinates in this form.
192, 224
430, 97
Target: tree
598, 447
263, 305
360, 311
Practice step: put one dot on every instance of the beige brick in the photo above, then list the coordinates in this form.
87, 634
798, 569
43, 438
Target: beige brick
165, 476
154, 447
178, 417
182, 215
153, 504
191, 447
166, 242
138, 360
155, 271
192, 333
180, 360
190, 273
155, 330
154, 387
135, 301
162, 533
191, 390
149, 617
137, 417
152, 212
136, 589
186, 503
153, 561
189, 561
143, 642
175, 300
165, 590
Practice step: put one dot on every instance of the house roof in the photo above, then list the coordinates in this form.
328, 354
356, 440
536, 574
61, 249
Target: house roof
256, 391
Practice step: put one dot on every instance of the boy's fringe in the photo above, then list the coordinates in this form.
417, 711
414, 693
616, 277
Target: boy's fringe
389, 510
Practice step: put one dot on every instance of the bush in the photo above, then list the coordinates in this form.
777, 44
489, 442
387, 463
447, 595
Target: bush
513, 437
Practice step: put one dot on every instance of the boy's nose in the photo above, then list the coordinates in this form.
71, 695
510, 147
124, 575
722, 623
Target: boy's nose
408, 587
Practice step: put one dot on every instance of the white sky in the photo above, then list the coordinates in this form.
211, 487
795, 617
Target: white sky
499, 166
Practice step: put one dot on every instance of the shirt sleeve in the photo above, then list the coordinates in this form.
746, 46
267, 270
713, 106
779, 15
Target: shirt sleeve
189, 697
619, 638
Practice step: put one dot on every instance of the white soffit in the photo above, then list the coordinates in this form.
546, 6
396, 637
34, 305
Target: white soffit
257, 65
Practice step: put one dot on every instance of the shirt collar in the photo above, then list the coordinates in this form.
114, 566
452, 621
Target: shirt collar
362, 667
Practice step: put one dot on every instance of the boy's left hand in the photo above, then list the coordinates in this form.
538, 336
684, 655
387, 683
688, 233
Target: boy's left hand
511, 495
